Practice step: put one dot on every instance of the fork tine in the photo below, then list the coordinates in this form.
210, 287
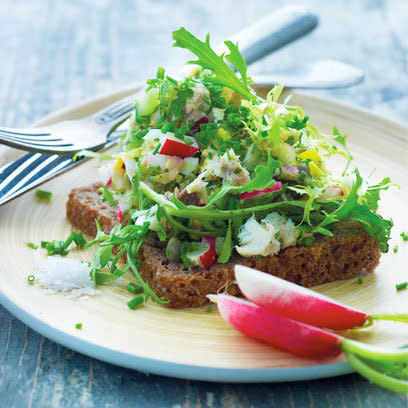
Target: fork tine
34, 144
122, 104
24, 132
12, 171
115, 111
29, 137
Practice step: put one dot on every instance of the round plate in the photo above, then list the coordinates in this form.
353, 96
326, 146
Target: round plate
194, 343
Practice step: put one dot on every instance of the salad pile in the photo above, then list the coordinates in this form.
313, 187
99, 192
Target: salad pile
212, 170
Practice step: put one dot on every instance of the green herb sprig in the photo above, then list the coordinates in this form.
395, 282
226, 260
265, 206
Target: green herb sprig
208, 59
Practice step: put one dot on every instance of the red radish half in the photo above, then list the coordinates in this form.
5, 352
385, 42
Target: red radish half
315, 343
298, 338
172, 147
296, 302
276, 187
208, 258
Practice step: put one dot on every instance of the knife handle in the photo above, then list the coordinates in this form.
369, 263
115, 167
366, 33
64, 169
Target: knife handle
273, 32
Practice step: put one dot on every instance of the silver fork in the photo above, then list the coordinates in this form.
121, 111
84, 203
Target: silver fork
71, 136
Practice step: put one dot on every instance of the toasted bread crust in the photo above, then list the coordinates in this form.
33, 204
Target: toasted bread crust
340, 257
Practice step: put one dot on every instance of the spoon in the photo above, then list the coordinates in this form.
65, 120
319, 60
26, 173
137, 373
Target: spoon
324, 74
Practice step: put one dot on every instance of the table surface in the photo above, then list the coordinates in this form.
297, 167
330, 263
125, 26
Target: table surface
56, 53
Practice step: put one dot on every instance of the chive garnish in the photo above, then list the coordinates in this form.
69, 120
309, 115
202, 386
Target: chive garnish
157, 148
136, 302
401, 286
404, 236
30, 278
360, 280
395, 249
43, 194
55, 247
78, 326
209, 309
133, 288
31, 245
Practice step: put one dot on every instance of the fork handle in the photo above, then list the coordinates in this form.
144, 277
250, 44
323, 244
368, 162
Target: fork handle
273, 32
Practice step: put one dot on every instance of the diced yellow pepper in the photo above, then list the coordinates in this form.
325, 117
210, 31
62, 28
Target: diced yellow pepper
314, 170
230, 96
223, 134
119, 164
310, 154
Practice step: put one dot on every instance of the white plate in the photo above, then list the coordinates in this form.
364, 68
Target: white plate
193, 343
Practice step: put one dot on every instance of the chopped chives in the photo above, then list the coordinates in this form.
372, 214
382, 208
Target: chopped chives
78, 326
157, 148
133, 288
404, 236
395, 249
360, 280
401, 286
30, 278
31, 245
209, 309
135, 302
43, 194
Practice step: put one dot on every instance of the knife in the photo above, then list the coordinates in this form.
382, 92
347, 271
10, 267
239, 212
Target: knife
257, 40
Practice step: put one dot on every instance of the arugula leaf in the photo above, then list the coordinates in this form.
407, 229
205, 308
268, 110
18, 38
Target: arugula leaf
262, 179
226, 251
237, 60
263, 176
373, 224
208, 59
352, 210
372, 195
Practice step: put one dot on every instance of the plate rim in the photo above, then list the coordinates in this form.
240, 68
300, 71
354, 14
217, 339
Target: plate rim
171, 369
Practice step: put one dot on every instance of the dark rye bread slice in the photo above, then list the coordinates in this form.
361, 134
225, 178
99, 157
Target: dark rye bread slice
328, 259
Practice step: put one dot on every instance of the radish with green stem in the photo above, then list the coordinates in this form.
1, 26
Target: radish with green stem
296, 302
387, 368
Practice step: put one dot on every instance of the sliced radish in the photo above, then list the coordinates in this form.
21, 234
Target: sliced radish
171, 147
333, 191
296, 302
208, 258
120, 210
203, 254
298, 338
109, 182
276, 187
